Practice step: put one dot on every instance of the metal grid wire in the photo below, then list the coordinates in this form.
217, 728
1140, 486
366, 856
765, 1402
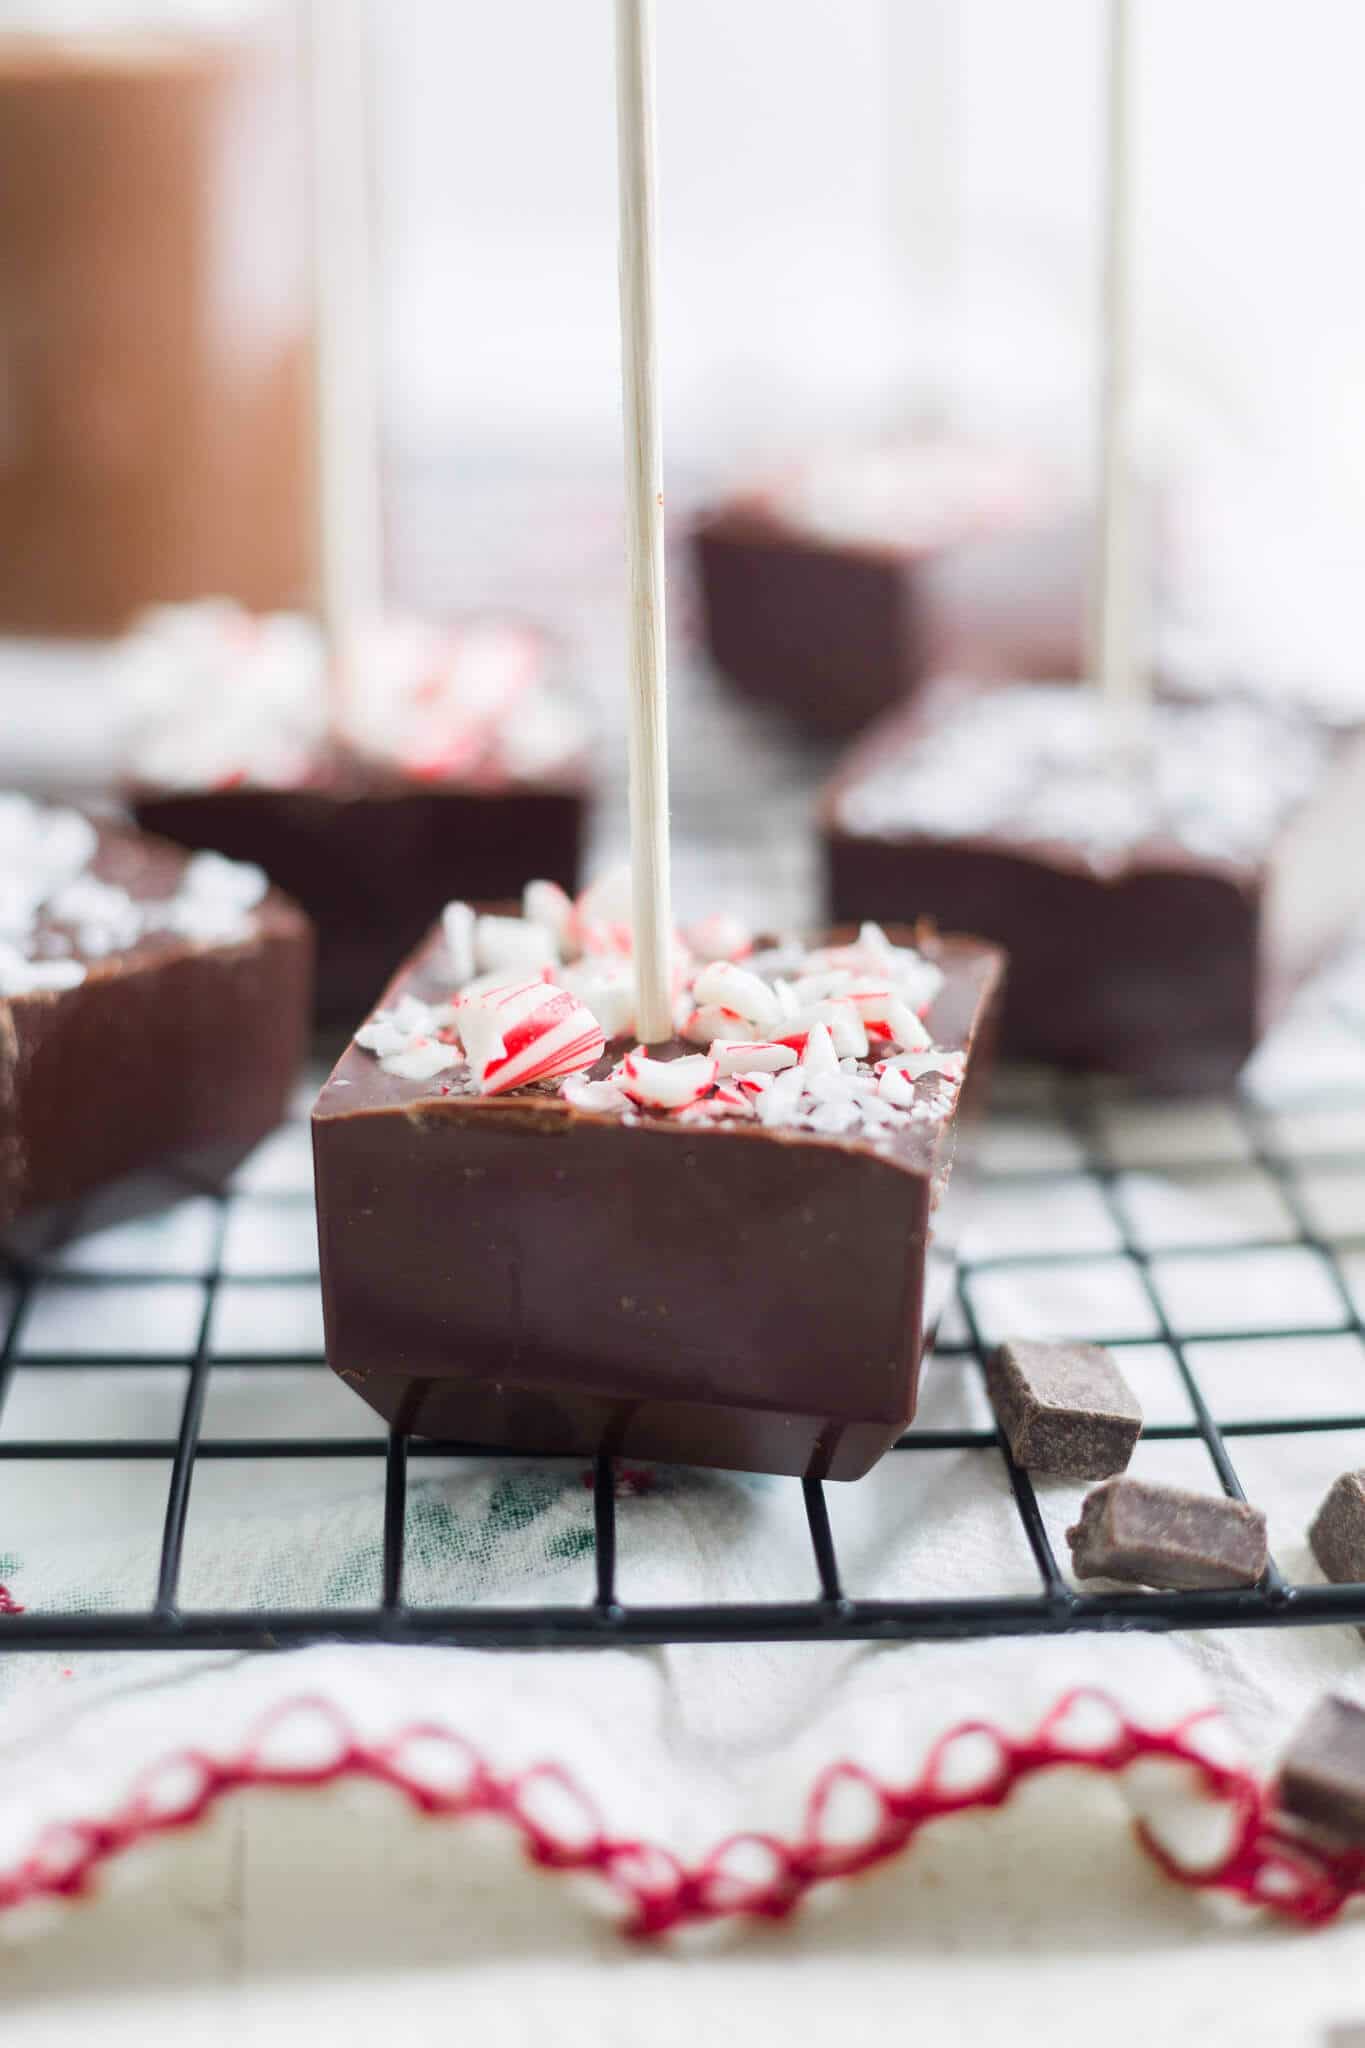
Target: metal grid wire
241, 1269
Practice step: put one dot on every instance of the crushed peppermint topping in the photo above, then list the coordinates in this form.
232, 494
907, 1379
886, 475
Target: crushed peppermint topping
56, 914
1036, 764
828, 1039
214, 696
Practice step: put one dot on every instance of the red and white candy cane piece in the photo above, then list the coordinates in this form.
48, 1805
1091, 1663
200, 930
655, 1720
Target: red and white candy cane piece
885, 1016
933, 1060
559, 1036
895, 1086
704, 1026
720, 937
603, 1096
730, 1096
608, 901
723, 986
751, 1056
602, 915
494, 1022
815, 988
907, 1029
666, 1084
547, 905
607, 987
819, 1056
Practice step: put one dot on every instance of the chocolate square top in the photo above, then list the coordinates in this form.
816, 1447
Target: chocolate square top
81, 899
1035, 766
870, 1092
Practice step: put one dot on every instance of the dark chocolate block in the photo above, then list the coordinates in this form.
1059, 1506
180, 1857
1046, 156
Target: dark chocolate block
373, 857
1322, 1777
1158, 920
454, 764
154, 1010
1163, 1536
1064, 1408
1337, 1535
532, 1271
831, 595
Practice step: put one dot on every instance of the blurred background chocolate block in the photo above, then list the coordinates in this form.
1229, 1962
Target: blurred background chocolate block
831, 594
1159, 909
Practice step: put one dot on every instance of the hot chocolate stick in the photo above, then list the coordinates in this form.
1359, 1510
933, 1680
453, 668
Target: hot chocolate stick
348, 541
1113, 612
653, 917
925, 197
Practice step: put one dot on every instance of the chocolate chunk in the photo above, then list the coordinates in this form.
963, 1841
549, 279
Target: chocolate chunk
1064, 1408
1163, 1536
686, 1256
1157, 920
1337, 1535
832, 593
1322, 1777
154, 1010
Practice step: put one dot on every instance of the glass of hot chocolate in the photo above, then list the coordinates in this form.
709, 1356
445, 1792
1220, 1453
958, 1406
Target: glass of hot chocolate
154, 309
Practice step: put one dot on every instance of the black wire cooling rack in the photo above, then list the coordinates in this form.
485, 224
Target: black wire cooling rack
1056, 1607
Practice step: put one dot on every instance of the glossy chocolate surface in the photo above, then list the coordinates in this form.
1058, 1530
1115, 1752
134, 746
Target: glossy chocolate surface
517, 1272
171, 1051
1160, 962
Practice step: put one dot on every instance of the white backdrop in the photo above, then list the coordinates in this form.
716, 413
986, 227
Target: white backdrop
813, 280
788, 287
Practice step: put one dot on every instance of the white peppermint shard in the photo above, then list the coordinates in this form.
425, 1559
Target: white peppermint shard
502, 943
422, 1061
458, 921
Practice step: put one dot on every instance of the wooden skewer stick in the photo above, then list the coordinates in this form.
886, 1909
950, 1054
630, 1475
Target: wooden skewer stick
349, 543
1115, 663
924, 122
649, 859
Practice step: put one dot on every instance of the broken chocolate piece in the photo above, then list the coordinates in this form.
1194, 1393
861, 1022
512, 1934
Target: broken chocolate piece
1337, 1535
1322, 1777
1157, 916
154, 1008
832, 593
462, 771
1155, 1535
712, 1253
1064, 1408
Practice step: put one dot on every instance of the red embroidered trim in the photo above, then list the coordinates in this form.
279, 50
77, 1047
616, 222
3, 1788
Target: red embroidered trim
8, 1603
756, 1875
